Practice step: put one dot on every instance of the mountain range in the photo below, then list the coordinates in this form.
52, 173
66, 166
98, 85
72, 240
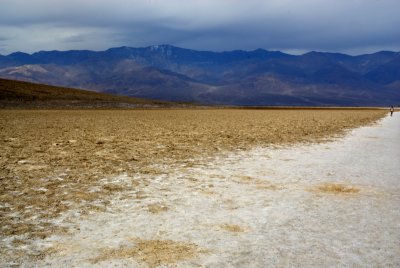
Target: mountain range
258, 77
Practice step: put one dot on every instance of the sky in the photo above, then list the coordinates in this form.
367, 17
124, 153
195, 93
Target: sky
293, 26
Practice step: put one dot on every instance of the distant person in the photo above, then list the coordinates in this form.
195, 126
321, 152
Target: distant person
391, 110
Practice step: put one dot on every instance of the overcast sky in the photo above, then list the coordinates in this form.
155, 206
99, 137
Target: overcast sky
294, 26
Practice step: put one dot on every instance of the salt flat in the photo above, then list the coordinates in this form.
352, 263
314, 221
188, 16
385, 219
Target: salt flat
332, 204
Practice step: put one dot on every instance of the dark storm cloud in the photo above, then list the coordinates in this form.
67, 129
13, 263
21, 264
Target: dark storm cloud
355, 26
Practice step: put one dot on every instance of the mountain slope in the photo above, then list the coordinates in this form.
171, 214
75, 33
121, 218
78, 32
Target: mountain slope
386, 73
17, 94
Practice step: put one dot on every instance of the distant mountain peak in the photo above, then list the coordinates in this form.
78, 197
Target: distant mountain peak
162, 49
162, 46
18, 54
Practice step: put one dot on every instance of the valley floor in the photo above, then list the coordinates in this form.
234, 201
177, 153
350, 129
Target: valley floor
333, 204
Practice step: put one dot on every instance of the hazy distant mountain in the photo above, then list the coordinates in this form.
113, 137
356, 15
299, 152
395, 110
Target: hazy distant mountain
258, 77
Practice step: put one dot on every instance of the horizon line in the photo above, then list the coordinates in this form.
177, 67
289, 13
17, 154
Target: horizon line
212, 51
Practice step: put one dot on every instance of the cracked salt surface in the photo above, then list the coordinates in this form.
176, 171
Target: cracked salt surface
271, 197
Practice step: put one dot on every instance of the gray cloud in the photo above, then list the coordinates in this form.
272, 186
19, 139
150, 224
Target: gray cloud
354, 26
75, 38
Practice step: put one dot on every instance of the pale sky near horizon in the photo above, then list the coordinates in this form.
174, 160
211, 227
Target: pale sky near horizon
293, 26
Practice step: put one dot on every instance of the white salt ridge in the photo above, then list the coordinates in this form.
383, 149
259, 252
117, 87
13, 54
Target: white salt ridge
268, 192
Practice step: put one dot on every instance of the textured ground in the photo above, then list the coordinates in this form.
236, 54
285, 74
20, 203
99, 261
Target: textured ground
326, 205
70, 172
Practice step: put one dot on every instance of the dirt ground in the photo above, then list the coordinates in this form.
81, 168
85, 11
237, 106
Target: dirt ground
56, 161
